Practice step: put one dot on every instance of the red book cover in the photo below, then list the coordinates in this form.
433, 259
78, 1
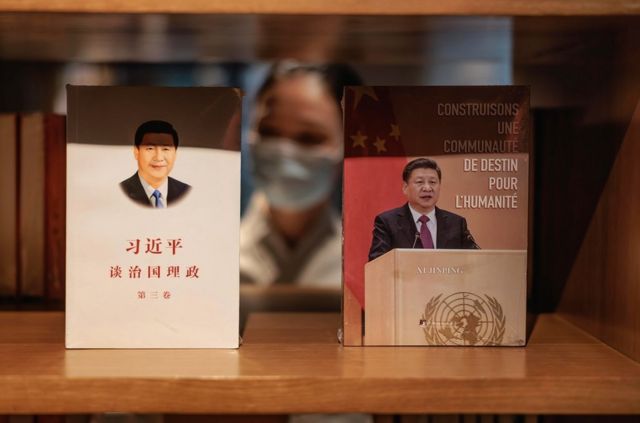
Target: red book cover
458, 155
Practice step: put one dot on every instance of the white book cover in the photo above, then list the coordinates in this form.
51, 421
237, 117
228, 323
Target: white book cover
153, 211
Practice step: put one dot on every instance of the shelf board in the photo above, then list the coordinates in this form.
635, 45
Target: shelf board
293, 363
387, 40
350, 7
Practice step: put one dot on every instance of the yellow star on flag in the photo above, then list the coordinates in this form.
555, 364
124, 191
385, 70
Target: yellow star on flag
380, 144
395, 132
361, 92
358, 140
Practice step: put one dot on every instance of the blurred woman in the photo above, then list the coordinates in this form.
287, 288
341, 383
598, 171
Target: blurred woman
290, 232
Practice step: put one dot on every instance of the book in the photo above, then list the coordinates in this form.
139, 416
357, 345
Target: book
55, 206
436, 215
31, 206
153, 209
8, 211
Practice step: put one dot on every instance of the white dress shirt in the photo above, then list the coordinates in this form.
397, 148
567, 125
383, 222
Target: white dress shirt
265, 257
148, 189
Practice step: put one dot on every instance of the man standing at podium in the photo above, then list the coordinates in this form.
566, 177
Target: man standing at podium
419, 223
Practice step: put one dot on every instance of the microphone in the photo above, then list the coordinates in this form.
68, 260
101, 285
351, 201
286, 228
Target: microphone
472, 241
415, 239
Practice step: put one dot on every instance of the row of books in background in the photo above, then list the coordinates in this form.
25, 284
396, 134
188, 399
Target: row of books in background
32, 212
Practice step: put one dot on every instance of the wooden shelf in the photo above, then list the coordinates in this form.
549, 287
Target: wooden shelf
376, 40
372, 7
293, 363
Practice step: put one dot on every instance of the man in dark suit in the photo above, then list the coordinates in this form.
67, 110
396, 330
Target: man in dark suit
419, 223
155, 148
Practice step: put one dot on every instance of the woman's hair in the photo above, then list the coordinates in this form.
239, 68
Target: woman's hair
335, 77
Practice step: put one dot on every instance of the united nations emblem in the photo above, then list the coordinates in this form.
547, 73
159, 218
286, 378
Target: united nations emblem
463, 318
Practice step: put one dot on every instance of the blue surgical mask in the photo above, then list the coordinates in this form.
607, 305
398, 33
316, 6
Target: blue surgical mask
293, 177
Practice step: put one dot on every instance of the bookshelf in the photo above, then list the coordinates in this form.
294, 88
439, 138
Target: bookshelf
580, 58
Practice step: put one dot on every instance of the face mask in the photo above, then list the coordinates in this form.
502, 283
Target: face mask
293, 177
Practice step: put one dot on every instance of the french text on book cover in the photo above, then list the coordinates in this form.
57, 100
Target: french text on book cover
153, 193
435, 215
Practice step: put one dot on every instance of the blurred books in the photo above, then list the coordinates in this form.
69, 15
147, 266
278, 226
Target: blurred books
32, 216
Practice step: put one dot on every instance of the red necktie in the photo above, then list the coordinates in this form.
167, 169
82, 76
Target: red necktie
425, 234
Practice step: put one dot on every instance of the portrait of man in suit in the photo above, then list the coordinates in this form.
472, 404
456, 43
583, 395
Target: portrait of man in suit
419, 223
155, 149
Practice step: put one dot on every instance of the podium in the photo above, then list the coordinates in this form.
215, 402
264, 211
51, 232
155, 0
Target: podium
446, 297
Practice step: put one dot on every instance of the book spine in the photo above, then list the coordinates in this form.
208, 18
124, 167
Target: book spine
8, 209
31, 207
55, 206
